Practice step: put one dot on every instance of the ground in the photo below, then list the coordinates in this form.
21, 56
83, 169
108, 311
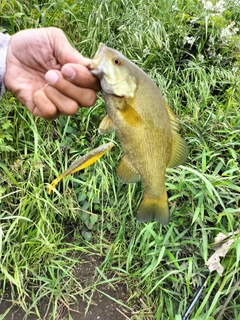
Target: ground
102, 307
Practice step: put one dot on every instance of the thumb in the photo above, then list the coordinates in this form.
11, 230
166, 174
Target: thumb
63, 50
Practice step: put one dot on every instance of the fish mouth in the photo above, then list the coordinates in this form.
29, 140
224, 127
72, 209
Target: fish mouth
95, 66
100, 49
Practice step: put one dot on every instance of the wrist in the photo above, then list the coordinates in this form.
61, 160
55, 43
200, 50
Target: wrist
4, 42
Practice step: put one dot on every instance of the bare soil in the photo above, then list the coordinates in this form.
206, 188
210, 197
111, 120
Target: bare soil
101, 307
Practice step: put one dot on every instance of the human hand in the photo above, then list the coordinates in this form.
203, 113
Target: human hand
47, 75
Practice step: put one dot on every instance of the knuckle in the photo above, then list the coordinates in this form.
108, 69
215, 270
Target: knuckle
43, 107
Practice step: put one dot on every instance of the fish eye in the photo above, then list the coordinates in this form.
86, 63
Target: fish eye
117, 61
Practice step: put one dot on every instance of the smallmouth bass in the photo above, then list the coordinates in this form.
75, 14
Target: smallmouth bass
145, 125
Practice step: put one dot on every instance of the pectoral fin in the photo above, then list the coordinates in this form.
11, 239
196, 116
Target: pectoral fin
154, 209
106, 126
126, 172
82, 163
130, 115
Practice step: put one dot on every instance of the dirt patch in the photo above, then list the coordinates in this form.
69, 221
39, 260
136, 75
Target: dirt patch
102, 306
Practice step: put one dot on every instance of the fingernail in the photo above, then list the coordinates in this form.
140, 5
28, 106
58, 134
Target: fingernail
68, 72
51, 77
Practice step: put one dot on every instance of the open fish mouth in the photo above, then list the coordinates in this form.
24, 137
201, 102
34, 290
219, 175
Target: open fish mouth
100, 49
96, 65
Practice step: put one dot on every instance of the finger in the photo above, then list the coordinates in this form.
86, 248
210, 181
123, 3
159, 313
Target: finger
80, 76
43, 106
84, 96
63, 50
64, 104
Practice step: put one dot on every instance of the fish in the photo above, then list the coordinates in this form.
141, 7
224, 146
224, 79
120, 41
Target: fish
82, 163
145, 125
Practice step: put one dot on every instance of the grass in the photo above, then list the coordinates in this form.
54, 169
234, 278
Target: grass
181, 45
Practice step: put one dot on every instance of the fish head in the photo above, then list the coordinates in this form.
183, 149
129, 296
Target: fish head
114, 71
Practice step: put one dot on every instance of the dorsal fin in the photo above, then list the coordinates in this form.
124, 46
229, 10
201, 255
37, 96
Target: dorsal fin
179, 150
172, 117
179, 147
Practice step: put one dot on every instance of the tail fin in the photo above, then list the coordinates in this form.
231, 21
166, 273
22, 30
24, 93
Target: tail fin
155, 209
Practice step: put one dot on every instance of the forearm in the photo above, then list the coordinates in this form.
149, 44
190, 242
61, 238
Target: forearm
4, 41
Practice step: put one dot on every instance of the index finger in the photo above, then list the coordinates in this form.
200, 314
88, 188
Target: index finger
80, 76
85, 96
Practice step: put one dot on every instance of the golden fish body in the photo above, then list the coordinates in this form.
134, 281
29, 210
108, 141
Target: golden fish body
146, 128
